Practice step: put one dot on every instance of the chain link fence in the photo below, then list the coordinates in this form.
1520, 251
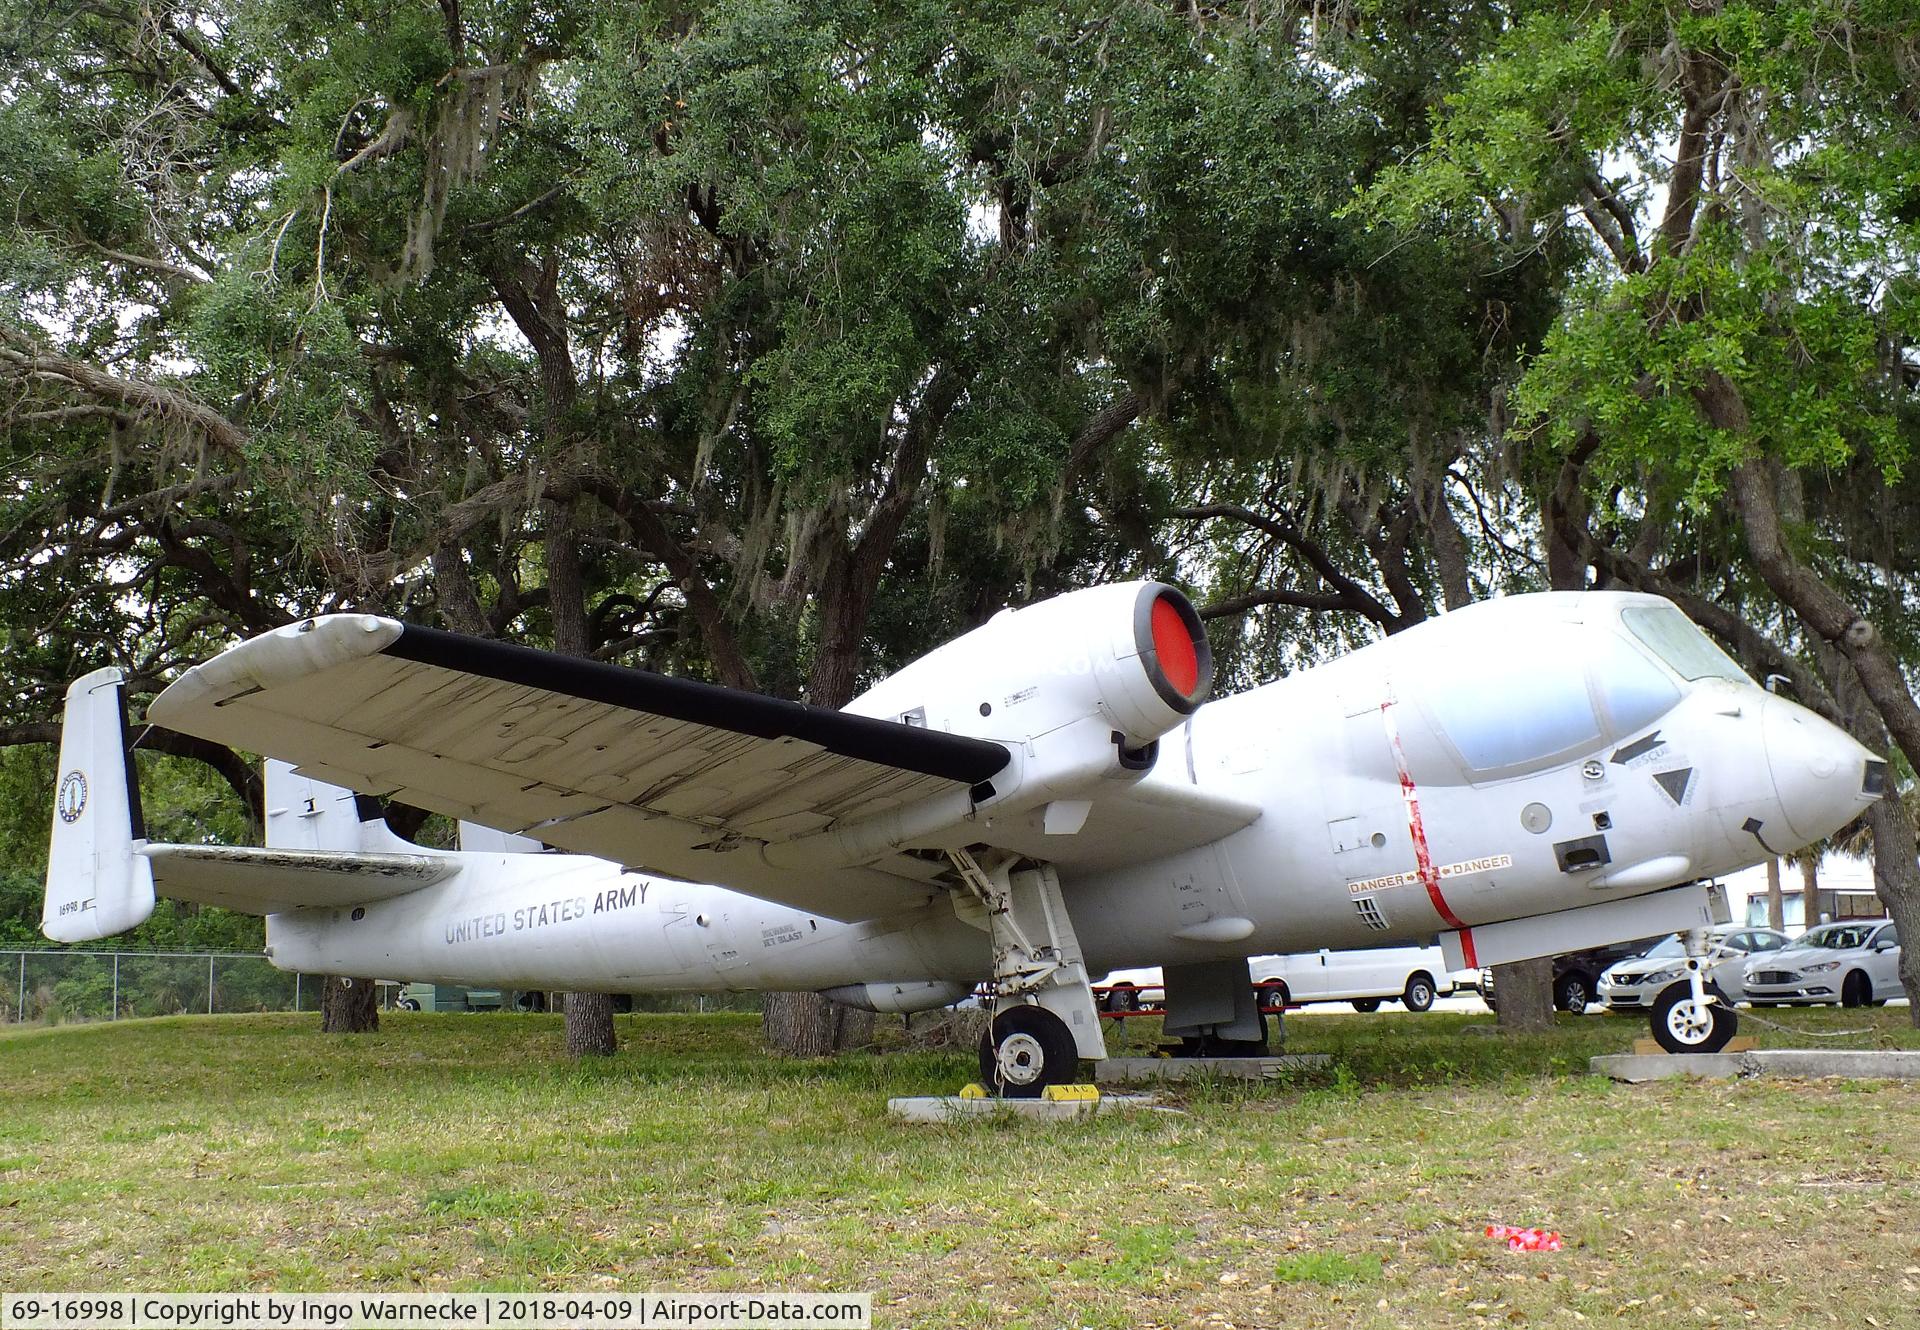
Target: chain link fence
56, 984
60, 984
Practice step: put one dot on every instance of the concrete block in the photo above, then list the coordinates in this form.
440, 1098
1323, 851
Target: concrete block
955, 1108
1855, 1064
1140, 1071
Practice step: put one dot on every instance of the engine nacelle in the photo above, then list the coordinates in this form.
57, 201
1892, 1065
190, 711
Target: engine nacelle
1079, 686
897, 999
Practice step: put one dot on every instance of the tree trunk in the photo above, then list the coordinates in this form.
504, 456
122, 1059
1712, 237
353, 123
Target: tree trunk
1809, 883
1896, 877
590, 1025
589, 1015
1776, 899
807, 1025
349, 1006
1524, 990
1890, 713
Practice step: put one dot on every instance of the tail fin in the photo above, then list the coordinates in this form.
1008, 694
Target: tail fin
96, 885
308, 814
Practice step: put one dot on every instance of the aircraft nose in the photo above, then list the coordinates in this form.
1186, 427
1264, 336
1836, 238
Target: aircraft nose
1822, 777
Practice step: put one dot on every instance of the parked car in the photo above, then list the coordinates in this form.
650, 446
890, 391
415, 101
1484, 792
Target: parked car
1856, 964
1576, 974
1412, 976
1634, 984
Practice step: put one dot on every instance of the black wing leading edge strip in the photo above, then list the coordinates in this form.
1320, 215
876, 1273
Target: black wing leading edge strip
882, 742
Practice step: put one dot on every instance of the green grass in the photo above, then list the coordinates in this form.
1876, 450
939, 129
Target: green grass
464, 1152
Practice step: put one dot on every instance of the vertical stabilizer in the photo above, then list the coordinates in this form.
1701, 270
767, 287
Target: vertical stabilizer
308, 814
96, 885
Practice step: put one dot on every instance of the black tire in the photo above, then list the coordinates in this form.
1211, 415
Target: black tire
1678, 1028
1366, 1004
1213, 1046
1572, 992
408, 1004
1275, 993
1419, 992
1024, 1050
1856, 990
1123, 997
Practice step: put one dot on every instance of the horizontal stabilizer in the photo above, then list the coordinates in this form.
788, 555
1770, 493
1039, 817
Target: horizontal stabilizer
256, 881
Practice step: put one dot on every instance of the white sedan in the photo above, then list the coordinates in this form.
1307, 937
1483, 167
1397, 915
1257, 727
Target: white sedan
1856, 964
1634, 984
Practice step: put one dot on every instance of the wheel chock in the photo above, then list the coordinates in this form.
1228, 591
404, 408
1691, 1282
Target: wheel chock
1071, 1094
974, 1090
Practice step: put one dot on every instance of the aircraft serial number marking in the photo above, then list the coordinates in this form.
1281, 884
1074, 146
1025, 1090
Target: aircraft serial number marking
1411, 876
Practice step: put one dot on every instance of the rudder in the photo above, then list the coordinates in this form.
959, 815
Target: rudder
97, 885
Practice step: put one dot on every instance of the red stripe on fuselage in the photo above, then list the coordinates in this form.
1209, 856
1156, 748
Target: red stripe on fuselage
1422, 856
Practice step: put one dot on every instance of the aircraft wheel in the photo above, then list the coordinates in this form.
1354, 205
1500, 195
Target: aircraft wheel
1571, 993
1420, 993
408, 1004
1024, 1050
1857, 991
1366, 1004
1681, 1026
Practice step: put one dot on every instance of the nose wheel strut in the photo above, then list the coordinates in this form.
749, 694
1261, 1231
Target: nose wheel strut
1689, 1016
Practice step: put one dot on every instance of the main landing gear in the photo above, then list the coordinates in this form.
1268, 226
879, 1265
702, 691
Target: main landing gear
1691, 1016
1044, 1019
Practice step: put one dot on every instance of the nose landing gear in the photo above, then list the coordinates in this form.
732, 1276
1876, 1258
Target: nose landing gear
1689, 1016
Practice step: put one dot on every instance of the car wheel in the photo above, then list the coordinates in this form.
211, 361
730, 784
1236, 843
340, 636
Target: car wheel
1366, 1004
1024, 1050
1572, 993
1857, 991
1681, 1026
1419, 992
1123, 997
1274, 993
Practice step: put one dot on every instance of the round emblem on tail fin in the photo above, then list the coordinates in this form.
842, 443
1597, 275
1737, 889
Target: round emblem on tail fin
73, 796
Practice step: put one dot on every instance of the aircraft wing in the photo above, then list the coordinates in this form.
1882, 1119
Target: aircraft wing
256, 881
667, 775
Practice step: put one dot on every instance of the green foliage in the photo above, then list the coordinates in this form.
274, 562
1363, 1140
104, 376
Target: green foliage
1774, 273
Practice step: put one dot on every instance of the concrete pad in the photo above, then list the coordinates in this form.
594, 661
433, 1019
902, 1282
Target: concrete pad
954, 1108
1139, 1071
1869, 1064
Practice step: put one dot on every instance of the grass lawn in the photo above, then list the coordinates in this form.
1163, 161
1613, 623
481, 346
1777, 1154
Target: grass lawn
464, 1152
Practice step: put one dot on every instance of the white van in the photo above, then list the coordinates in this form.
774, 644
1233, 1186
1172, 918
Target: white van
1410, 975
1414, 976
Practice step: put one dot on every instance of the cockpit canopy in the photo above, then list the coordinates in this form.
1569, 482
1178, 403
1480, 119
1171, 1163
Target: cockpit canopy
1523, 690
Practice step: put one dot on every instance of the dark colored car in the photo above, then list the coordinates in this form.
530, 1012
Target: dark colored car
1576, 974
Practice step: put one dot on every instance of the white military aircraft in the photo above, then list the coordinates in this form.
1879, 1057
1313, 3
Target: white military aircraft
1041, 799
